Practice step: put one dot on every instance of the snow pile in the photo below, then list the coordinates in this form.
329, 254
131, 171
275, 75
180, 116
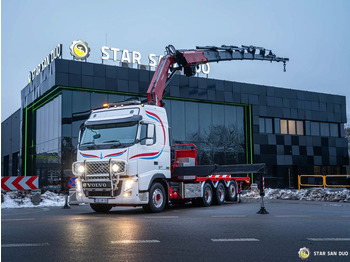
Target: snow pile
315, 194
21, 199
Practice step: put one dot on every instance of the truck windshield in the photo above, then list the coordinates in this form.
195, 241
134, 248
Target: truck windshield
108, 135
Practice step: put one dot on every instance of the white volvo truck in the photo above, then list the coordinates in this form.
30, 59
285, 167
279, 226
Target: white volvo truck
124, 156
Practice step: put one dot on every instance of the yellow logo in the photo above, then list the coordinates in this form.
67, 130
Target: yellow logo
304, 253
80, 50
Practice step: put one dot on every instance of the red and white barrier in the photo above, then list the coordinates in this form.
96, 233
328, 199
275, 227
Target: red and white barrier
19, 183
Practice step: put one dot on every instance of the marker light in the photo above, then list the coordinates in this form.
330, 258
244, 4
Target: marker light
105, 105
115, 168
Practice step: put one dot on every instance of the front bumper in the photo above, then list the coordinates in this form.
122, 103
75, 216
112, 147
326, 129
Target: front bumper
120, 196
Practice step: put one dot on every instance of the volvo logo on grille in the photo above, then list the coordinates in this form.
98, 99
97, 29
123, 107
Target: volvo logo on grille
96, 185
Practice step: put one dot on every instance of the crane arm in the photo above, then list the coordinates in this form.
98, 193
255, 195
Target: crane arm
189, 59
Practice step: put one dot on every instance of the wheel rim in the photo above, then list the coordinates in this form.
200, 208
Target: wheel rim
157, 198
232, 190
208, 195
221, 190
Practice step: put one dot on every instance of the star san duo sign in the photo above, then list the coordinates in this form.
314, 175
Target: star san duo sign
56, 52
134, 57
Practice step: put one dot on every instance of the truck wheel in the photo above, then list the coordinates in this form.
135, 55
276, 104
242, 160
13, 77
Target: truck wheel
101, 208
219, 196
231, 191
157, 199
207, 197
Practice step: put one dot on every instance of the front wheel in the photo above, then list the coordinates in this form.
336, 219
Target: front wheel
101, 208
157, 199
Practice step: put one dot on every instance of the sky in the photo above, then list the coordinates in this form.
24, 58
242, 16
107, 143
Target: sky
313, 34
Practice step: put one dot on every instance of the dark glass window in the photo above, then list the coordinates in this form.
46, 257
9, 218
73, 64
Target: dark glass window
15, 164
277, 126
324, 129
6, 165
205, 121
98, 99
266, 125
315, 128
334, 130
307, 128
262, 125
192, 125
178, 120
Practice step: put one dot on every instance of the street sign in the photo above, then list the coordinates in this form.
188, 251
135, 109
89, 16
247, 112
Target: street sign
71, 182
19, 183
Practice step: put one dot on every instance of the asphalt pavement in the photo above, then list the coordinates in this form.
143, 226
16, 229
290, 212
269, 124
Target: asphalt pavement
231, 232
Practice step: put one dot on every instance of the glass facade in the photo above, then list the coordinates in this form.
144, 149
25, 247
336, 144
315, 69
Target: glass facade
48, 144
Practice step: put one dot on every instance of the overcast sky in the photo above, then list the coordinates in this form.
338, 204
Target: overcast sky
314, 34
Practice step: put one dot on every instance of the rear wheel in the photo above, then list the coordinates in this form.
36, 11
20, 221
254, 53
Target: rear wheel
101, 208
157, 199
231, 191
207, 197
220, 194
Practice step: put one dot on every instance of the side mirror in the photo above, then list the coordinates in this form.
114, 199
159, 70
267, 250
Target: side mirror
150, 131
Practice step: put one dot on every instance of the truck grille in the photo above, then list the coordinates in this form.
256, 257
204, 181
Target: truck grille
99, 170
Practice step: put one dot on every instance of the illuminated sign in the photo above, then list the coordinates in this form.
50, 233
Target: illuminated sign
57, 52
79, 50
134, 57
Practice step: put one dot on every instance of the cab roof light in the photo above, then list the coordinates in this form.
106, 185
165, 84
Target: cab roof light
105, 105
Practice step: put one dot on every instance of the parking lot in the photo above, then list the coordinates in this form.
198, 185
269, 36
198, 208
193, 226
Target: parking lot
231, 232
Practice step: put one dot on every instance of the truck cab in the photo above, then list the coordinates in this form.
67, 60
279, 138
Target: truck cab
123, 151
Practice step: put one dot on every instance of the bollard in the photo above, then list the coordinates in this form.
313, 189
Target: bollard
262, 210
66, 206
36, 198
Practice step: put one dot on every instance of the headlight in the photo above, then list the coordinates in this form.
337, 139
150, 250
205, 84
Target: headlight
78, 168
128, 184
115, 168
81, 169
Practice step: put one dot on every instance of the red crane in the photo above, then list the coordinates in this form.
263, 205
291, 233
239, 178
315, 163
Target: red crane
189, 59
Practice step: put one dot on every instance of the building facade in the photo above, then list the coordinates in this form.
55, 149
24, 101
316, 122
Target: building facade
293, 132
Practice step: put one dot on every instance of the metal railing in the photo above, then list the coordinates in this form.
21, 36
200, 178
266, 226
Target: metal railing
324, 181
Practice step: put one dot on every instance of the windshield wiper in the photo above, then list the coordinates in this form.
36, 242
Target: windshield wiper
90, 145
115, 143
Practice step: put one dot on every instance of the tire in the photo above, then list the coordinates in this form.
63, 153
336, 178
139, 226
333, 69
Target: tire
207, 198
219, 196
101, 208
231, 191
157, 199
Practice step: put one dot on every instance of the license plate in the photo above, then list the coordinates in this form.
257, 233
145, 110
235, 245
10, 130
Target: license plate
101, 200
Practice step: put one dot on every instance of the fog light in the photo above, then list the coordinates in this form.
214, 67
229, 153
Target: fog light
128, 184
115, 168
127, 194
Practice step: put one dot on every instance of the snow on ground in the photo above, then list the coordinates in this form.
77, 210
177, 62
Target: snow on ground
22, 199
313, 194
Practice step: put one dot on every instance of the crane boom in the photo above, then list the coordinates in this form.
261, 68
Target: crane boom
189, 59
